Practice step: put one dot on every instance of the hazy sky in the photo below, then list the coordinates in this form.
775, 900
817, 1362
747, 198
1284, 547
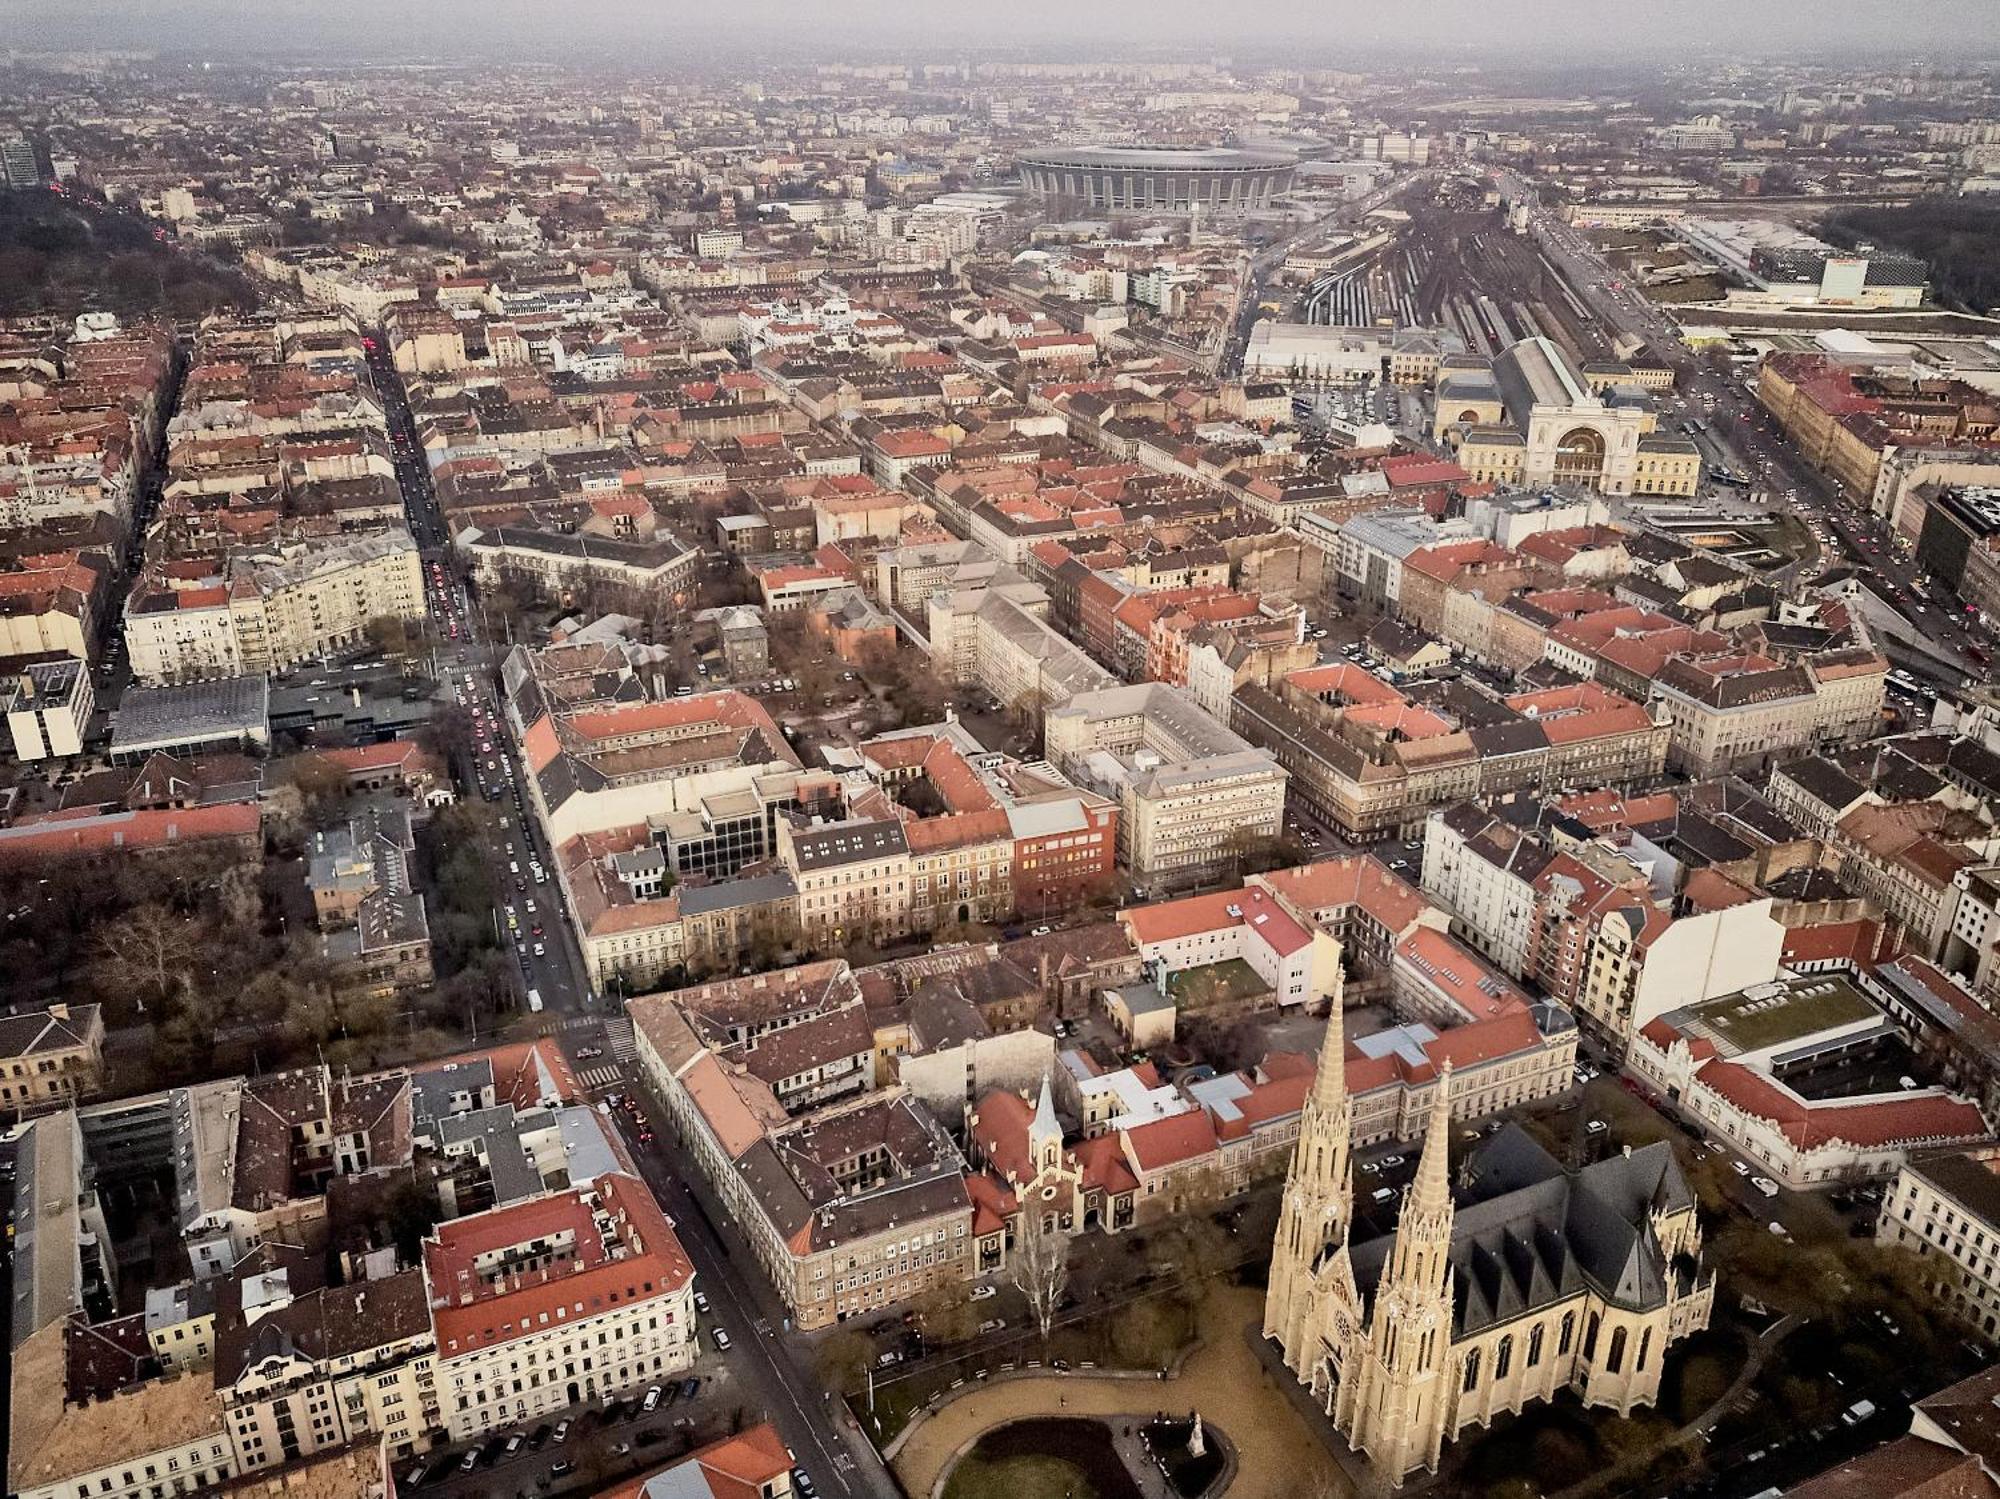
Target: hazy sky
1328, 29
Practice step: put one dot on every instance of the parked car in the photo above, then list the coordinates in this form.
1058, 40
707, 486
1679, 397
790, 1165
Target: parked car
984, 1293
993, 1324
721, 1339
701, 1302
561, 1432
652, 1401
1765, 1185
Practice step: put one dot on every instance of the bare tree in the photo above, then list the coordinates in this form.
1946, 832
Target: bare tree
148, 952
945, 1314
1039, 1264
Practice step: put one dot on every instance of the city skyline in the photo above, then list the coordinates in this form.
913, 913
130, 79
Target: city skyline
526, 29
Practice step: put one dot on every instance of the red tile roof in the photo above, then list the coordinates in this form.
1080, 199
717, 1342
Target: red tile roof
642, 1259
112, 832
738, 1467
1167, 1142
1253, 908
1889, 1120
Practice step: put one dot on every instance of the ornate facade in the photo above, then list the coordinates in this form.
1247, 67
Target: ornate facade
1524, 1281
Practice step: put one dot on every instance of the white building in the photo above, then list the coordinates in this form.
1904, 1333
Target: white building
1294, 957
1949, 1206
272, 611
49, 709
554, 1301
1745, 1066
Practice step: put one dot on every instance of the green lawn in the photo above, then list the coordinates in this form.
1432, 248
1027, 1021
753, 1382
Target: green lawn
1018, 1478
1231, 982
1754, 1024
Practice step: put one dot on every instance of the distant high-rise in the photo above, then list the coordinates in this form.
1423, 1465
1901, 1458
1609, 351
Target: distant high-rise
18, 164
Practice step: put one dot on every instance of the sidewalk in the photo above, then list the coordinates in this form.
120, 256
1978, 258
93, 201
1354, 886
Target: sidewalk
1277, 1456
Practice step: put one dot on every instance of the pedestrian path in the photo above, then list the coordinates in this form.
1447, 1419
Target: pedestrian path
1278, 1456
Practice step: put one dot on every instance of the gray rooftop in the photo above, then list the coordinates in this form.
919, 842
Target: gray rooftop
191, 713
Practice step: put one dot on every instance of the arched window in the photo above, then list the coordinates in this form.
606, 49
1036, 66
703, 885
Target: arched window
1645, 1344
1535, 1346
1617, 1359
1568, 1332
1472, 1370
1590, 1337
1503, 1357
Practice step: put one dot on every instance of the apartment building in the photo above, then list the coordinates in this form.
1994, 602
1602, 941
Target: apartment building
50, 1058
322, 1370
1948, 1205
850, 1206
854, 879
557, 1300
52, 604
1373, 759
1192, 796
1738, 711
48, 709
1483, 870
268, 613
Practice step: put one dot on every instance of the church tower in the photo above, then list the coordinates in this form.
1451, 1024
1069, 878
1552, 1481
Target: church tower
1045, 1136
1313, 1219
1398, 1404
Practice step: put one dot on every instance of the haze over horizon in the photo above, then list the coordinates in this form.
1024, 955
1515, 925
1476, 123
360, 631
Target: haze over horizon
1566, 30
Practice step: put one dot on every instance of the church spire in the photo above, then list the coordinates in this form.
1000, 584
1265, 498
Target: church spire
1433, 1181
1319, 1193
1423, 1230
1329, 1089
1401, 1401
1045, 1130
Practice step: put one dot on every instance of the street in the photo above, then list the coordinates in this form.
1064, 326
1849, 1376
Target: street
764, 1363
1720, 411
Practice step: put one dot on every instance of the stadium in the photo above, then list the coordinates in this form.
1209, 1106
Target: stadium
1169, 177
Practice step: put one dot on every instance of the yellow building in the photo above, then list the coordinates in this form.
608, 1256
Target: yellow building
1408, 1338
1533, 420
50, 1058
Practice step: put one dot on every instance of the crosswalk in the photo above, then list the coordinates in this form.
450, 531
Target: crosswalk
623, 1047
618, 1033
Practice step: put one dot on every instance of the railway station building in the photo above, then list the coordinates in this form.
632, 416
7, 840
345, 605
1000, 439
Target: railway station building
1529, 418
